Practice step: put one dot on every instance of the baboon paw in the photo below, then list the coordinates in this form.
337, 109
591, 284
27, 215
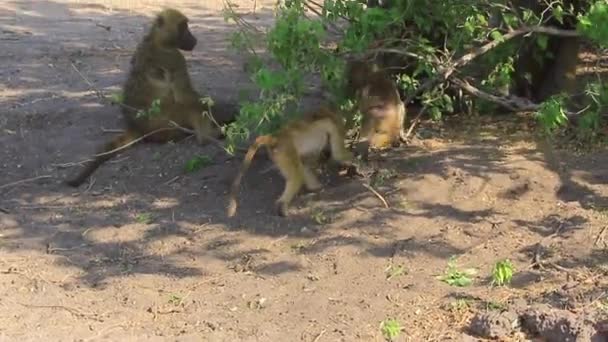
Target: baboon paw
282, 209
314, 187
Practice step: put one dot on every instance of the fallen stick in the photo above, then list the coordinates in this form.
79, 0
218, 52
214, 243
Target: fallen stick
23, 181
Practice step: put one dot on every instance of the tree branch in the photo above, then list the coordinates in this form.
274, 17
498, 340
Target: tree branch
514, 103
445, 72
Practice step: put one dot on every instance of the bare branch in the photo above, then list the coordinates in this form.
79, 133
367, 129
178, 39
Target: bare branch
514, 103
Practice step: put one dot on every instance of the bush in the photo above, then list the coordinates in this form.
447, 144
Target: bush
431, 42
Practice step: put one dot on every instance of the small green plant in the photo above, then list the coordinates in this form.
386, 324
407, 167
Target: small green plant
552, 114
153, 110
319, 216
455, 277
144, 218
497, 306
197, 162
382, 176
117, 98
459, 305
393, 271
390, 328
298, 246
502, 272
175, 299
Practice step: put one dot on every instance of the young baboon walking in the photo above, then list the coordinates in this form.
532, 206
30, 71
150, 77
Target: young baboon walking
379, 102
291, 147
159, 72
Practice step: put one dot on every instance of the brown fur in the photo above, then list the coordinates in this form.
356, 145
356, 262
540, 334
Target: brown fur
289, 149
379, 102
159, 71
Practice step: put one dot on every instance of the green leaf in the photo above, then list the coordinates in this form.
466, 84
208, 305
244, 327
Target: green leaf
497, 36
542, 41
196, 163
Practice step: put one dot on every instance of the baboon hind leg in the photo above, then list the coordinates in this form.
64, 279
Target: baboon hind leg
336, 142
290, 166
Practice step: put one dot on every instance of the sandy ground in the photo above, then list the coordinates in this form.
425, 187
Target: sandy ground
145, 252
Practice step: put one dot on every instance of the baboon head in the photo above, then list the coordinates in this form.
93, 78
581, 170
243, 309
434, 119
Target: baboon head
357, 74
171, 30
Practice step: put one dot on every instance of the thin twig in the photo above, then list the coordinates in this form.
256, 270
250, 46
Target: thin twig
416, 121
135, 141
4, 210
238, 19
73, 311
24, 181
319, 336
105, 27
112, 130
171, 180
189, 131
315, 11
377, 194
91, 183
321, 6
600, 236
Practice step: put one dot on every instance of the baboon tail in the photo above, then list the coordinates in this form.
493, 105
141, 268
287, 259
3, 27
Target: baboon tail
107, 152
264, 140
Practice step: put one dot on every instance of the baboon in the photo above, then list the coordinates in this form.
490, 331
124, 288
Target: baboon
159, 72
290, 149
379, 102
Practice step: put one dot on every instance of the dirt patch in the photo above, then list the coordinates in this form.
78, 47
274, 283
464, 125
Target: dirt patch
495, 325
145, 252
560, 325
538, 321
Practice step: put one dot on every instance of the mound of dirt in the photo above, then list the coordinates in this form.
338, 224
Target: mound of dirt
538, 321
495, 325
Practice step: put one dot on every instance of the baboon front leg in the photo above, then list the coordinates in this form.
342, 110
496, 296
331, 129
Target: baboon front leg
310, 179
204, 129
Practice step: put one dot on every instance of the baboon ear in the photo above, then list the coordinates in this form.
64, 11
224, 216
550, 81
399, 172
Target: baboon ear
160, 21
